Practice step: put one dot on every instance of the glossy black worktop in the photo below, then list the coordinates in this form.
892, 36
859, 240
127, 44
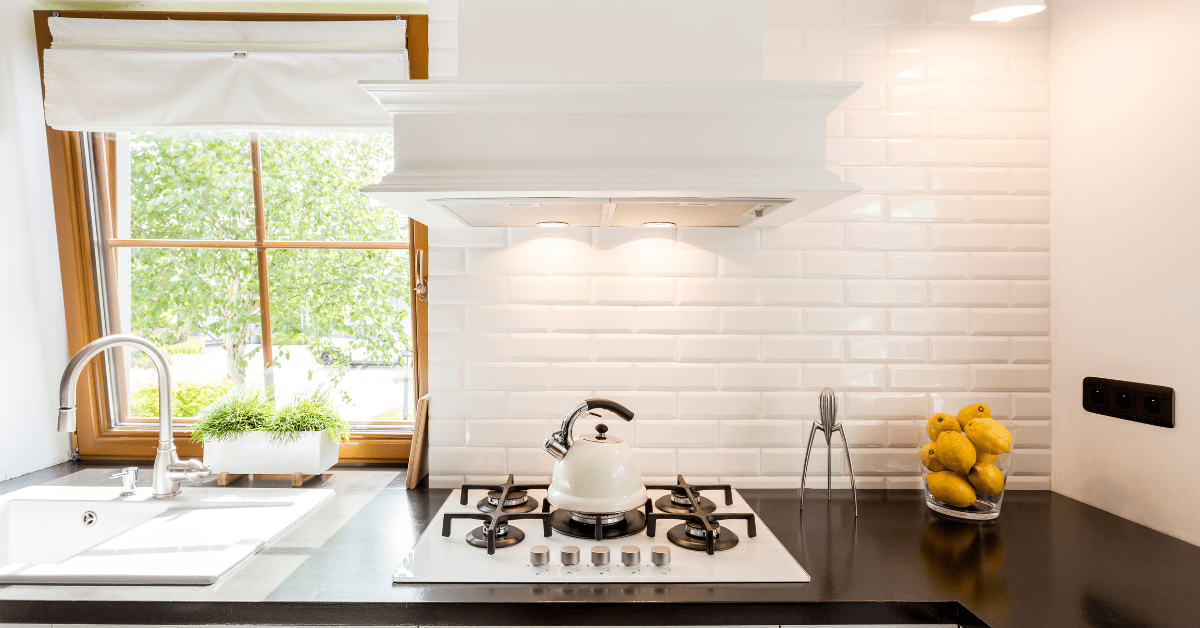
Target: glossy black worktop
1049, 561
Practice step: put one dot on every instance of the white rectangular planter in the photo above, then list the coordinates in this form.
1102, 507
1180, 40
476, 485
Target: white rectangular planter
312, 453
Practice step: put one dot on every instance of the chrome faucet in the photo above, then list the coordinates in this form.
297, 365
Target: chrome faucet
169, 470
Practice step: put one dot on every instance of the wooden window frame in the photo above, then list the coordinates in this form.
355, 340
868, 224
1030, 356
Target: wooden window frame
95, 439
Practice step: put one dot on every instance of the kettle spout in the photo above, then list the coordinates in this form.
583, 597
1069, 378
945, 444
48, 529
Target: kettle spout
555, 447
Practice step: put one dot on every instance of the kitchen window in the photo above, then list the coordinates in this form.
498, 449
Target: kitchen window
253, 260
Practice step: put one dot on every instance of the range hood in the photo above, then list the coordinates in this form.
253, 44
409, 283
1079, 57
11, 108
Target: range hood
512, 153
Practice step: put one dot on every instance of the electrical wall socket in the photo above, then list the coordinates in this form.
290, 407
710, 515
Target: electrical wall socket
1144, 403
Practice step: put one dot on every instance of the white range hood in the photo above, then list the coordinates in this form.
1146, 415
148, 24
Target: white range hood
601, 154
612, 114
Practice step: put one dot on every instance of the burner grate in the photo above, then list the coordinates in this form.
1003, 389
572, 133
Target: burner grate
495, 531
700, 530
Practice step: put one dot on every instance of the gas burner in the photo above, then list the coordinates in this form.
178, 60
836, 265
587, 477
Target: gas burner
680, 500
495, 531
692, 535
517, 501
506, 536
599, 527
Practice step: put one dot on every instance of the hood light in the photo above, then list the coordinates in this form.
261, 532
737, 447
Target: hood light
1005, 10
658, 224
553, 224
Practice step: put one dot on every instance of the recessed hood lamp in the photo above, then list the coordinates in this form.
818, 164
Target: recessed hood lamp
1005, 10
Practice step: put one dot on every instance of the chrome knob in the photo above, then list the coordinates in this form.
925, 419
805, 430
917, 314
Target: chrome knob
570, 555
631, 555
600, 555
660, 555
539, 555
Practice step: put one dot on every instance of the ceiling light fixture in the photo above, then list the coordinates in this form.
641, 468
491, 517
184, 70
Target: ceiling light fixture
553, 224
658, 224
1005, 10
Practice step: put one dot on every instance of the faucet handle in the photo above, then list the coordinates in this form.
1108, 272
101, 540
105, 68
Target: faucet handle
128, 477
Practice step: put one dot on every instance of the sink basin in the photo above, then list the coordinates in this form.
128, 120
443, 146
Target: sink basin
93, 535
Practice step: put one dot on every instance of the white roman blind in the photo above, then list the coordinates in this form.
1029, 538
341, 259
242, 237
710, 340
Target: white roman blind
188, 75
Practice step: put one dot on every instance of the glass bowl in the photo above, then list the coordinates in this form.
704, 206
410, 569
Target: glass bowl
986, 506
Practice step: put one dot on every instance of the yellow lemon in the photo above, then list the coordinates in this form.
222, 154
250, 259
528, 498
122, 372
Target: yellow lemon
987, 479
972, 412
981, 457
950, 488
939, 423
929, 459
955, 451
989, 436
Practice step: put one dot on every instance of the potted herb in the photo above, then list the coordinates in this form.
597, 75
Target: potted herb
244, 433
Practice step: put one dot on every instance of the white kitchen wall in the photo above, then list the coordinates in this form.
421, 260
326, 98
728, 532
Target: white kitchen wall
35, 343
926, 292
1126, 264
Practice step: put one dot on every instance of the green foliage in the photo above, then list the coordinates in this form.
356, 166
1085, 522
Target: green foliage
308, 414
198, 186
187, 399
193, 346
235, 414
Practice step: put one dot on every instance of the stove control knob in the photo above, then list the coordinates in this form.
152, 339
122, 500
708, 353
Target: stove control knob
570, 555
600, 555
539, 555
660, 555
631, 555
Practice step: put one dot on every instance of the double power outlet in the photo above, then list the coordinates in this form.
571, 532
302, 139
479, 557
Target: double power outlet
1144, 403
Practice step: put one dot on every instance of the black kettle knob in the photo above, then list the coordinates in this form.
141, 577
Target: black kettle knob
600, 430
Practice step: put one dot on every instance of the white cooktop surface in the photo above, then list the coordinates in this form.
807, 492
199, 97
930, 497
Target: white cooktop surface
436, 558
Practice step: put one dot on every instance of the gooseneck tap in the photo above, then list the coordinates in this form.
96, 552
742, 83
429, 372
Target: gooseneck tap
169, 470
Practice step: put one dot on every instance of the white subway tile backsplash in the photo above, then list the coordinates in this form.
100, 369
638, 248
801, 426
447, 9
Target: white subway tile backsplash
507, 376
468, 347
633, 291
633, 348
760, 320
841, 264
676, 377
549, 290
885, 292
924, 293
581, 376
843, 321
615, 319
678, 433
722, 461
760, 264
454, 290
928, 377
885, 237
843, 377
969, 293
507, 318
759, 376
930, 322
927, 265
676, 320
1011, 377
722, 291
549, 347
504, 432
717, 348
927, 209
890, 349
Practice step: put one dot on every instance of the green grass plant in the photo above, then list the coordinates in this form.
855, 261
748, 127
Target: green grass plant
237, 413
309, 413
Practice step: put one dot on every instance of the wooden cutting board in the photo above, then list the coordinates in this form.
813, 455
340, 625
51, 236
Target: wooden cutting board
418, 454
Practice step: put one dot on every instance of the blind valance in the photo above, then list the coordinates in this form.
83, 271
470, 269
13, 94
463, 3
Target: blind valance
186, 75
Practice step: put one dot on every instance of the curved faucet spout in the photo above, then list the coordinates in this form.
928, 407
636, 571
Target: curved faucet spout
169, 470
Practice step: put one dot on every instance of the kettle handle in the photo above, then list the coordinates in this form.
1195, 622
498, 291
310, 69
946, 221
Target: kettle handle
561, 441
611, 406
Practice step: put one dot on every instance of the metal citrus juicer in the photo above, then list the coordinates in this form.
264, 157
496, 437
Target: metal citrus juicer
828, 427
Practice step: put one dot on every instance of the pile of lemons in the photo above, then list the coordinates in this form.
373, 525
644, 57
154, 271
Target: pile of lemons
962, 455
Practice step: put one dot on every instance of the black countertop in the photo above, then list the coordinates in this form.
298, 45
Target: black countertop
1049, 561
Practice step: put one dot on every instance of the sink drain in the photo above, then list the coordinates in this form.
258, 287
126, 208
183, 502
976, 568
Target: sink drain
89, 518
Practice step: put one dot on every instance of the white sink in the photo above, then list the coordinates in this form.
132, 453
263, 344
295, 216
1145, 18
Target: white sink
92, 535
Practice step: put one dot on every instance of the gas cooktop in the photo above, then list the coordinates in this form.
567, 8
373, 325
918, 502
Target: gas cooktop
539, 544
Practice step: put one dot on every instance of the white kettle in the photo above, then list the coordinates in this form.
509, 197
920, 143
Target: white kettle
596, 474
